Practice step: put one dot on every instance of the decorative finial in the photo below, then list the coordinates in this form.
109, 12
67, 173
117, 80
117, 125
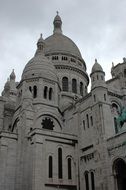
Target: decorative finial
41, 35
96, 61
57, 24
112, 64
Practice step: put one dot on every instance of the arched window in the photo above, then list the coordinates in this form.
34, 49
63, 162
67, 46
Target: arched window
34, 91
86, 181
74, 85
50, 93
119, 169
64, 58
65, 84
69, 169
45, 92
81, 89
50, 164
92, 181
30, 88
105, 97
60, 169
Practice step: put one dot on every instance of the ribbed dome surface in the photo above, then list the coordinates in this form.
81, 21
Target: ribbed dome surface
59, 43
39, 66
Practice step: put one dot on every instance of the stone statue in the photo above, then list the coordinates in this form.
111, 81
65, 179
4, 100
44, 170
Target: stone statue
124, 60
121, 119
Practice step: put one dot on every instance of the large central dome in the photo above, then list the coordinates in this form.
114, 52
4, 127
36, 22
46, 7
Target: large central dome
59, 43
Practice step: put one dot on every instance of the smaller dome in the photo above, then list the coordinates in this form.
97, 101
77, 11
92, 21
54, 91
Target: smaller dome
39, 65
96, 67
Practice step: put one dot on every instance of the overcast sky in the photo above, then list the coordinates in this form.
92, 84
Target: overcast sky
98, 27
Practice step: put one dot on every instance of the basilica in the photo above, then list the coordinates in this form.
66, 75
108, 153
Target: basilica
54, 133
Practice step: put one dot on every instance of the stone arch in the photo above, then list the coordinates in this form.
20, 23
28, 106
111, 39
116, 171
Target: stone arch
14, 126
119, 173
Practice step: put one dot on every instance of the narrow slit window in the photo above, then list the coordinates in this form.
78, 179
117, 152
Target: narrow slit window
87, 120
50, 167
34, 91
81, 89
84, 124
92, 181
60, 169
74, 85
50, 93
91, 118
69, 169
45, 91
86, 181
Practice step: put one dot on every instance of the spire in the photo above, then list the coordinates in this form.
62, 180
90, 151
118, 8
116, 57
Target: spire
57, 24
40, 46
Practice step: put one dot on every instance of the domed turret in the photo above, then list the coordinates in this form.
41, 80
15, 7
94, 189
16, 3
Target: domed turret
39, 78
40, 46
97, 75
96, 67
39, 65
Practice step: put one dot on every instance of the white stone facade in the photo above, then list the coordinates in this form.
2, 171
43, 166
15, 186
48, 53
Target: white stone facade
54, 134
